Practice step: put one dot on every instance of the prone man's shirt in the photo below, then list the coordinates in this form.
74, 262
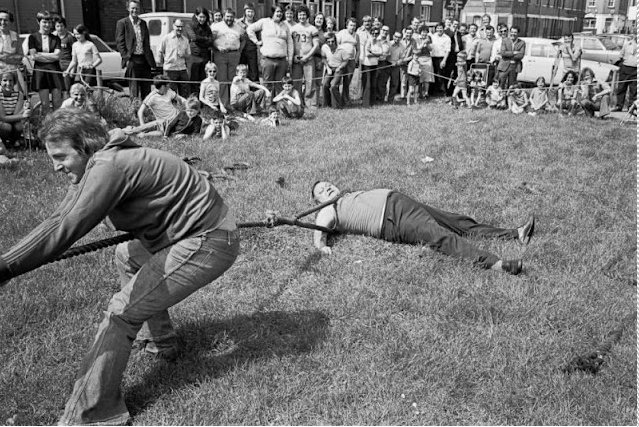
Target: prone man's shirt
162, 105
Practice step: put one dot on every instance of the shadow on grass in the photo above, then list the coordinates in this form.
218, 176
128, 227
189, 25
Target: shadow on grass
213, 348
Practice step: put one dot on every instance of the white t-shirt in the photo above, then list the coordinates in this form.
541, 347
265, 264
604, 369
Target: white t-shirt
84, 53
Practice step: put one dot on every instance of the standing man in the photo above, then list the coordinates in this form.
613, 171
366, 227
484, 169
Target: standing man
132, 40
627, 73
185, 238
410, 44
305, 44
384, 65
248, 55
456, 46
470, 41
512, 52
484, 47
570, 57
396, 58
228, 40
440, 51
485, 22
364, 33
174, 51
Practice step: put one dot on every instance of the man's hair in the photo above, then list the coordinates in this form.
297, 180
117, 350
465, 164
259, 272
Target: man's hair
287, 80
79, 87
8, 12
490, 27
193, 103
138, 2
516, 27
350, 20
249, 5
485, 15
161, 80
229, 10
241, 67
313, 189
275, 7
60, 19
422, 28
43, 14
82, 129
303, 8
330, 35
474, 25
502, 26
440, 24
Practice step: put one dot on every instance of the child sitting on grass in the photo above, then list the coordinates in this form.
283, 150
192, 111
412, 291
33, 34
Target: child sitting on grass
161, 103
517, 99
288, 101
495, 96
187, 122
273, 119
412, 74
539, 97
243, 99
13, 110
210, 89
219, 127
461, 84
78, 98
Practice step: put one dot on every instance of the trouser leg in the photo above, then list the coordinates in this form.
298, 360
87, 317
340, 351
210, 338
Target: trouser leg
308, 69
336, 98
168, 277
297, 74
409, 221
394, 83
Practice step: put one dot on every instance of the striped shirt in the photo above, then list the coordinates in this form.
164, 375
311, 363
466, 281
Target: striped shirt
9, 101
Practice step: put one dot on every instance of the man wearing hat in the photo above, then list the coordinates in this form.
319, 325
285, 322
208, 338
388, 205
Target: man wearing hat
249, 54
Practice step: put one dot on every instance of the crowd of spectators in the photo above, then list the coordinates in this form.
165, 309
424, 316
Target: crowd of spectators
290, 62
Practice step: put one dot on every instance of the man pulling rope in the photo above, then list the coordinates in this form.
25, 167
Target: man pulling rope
185, 238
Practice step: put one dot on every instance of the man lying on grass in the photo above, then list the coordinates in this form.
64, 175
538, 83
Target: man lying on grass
185, 234
395, 217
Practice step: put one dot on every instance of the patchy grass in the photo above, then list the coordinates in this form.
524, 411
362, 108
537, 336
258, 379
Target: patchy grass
376, 333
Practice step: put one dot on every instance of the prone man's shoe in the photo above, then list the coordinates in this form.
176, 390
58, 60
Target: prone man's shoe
513, 267
527, 231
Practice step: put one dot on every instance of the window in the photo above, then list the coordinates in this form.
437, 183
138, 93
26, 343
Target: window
313, 6
590, 23
611, 3
592, 3
155, 27
592, 44
424, 13
226, 4
543, 51
377, 9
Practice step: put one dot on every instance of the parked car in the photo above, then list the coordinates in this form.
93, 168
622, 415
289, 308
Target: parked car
540, 57
598, 47
161, 24
111, 65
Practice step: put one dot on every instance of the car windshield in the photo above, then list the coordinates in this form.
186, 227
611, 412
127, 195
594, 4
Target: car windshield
99, 43
609, 44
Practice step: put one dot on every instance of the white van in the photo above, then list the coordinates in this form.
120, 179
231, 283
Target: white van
161, 24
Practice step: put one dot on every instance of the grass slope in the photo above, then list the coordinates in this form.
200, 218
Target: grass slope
376, 333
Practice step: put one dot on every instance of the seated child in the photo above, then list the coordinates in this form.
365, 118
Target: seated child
13, 110
78, 99
187, 122
412, 74
461, 84
218, 127
161, 103
288, 101
517, 99
243, 99
495, 96
210, 89
273, 119
539, 97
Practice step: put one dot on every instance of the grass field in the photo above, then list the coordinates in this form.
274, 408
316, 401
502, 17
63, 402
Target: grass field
376, 333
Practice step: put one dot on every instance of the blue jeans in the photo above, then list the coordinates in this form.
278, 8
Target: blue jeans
151, 284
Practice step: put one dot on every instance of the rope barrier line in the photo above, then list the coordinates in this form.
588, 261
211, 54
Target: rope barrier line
272, 82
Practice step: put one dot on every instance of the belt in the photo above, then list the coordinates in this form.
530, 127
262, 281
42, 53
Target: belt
275, 57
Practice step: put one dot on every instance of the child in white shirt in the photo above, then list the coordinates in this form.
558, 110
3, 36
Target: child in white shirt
539, 97
288, 101
243, 99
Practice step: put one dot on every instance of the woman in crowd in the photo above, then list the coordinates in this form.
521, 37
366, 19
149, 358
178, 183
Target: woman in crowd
569, 93
348, 40
289, 16
216, 16
201, 42
12, 110
11, 49
426, 76
595, 95
276, 47
320, 23
44, 48
372, 52
331, 25
84, 57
